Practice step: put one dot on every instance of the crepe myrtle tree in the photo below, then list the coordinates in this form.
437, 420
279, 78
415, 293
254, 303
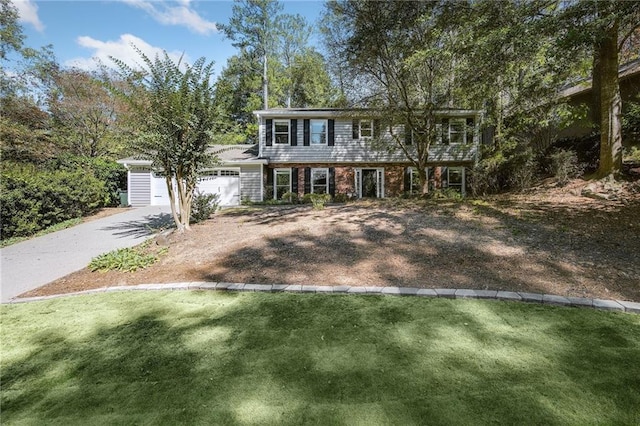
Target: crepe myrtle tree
174, 107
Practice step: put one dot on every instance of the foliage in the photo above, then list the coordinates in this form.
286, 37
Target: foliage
175, 110
445, 194
32, 199
54, 228
633, 154
317, 200
564, 165
203, 206
127, 259
290, 197
509, 166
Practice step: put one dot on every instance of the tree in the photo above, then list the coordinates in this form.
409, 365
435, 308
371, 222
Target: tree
603, 27
253, 27
311, 84
85, 114
175, 111
407, 53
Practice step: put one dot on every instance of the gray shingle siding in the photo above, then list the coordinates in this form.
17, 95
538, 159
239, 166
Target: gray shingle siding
349, 150
251, 182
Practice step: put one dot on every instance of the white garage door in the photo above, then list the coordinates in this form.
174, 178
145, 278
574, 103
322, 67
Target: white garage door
226, 183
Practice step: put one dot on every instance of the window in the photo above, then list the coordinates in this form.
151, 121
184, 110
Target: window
281, 132
366, 129
281, 182
318, 132
319, 181
229, 173
457, 131
455, 178
415, 184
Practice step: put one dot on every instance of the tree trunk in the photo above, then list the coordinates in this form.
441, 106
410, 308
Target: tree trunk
424, 183
172, 201
611, 105
596, 88
265, 85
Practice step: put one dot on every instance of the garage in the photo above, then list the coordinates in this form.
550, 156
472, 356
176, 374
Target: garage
225, 183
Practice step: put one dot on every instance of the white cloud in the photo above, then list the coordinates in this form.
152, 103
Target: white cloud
28, 12
180, 14
121, 49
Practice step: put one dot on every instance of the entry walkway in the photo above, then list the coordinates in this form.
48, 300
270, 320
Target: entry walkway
38, 261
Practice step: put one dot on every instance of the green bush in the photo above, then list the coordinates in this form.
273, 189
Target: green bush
32, 199
564, 165
203, 206
318, 200
127, 259
290, 197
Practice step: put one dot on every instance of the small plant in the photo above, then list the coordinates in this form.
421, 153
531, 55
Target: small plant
318, 200
290, 197
127, 259
203, 206
564, 165
341, 197
446, 194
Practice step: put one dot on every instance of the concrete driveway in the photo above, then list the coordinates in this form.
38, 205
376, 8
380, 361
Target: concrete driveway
38, 261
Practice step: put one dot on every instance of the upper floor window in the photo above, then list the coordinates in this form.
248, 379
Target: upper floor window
281, 132
318, 132
366, 129
457, 131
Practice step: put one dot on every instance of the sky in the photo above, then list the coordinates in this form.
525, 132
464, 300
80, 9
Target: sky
81, 31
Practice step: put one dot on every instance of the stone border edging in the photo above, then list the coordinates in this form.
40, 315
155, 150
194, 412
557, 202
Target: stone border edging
513, 296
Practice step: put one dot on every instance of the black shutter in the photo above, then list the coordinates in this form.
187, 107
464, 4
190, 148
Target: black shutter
355, 129
407, 135
269, 132
470, 121
270, 173
376, 128
294, 180
407, 179
306, 132
307, 180
445, 131
332, 181
293, 131
331, 132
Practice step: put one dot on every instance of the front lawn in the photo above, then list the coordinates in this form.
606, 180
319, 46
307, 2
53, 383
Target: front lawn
253, 358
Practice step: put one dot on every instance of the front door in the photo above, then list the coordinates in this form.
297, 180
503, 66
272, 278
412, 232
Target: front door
370, 183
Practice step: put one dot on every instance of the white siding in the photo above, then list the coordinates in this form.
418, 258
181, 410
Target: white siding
251, 182
348, 150
139, 187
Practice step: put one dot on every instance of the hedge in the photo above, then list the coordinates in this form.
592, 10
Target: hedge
33, 199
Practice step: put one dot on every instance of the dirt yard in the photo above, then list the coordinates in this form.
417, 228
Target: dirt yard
552, 241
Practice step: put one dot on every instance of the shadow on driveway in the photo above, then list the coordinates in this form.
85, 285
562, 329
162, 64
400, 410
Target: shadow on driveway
148, 225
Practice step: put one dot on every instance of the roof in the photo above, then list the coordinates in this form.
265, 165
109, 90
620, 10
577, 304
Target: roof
347, 112
227, 154
625, 71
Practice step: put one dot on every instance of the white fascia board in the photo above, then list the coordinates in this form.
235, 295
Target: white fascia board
346, 113
128, 162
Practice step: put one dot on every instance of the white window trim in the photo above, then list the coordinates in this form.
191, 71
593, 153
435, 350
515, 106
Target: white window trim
379, 176
464, 131
326, 132
326, 170
414, 171
360, 129
275, 180
273, 132
463, 185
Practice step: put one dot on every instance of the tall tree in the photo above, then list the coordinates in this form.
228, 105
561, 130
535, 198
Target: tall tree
174, 105
253, 27
604, 27
407, 53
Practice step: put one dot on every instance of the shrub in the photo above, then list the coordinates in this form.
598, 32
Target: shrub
290, 197
318, 200
32, 199
564, 165
203, 206
445, 194
127, 259
341, 197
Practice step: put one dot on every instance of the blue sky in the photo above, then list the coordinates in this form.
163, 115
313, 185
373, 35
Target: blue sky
83, 30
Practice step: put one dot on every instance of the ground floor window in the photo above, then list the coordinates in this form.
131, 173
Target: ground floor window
455, 179
281, 182
415, 186
319, 181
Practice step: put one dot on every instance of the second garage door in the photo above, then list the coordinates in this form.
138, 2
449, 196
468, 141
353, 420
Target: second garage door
225, 182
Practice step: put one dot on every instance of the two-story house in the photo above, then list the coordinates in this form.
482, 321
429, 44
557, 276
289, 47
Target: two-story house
338, 151
334, 151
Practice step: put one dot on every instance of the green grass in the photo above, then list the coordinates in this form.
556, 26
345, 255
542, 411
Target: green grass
57, 227
252, 358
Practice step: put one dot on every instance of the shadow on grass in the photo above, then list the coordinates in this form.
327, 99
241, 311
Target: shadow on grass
202, 358
430, 245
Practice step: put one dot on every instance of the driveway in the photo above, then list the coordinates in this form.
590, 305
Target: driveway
38, 261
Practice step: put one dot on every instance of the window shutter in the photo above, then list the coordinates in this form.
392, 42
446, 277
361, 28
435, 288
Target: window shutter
306, 132
355, 129
307, 180
293, 131
376, 128
294, 180
331, 133
445, 131
332, 181
269, 132
270, 173
407, 179
407, 135
470, 121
